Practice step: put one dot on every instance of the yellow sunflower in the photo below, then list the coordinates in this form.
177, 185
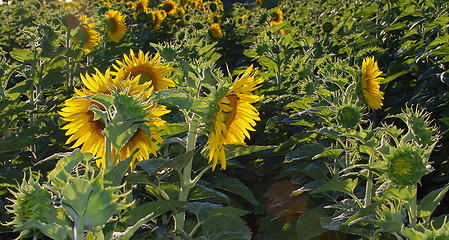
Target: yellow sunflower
235, 116
141, 6
85, 130
170, 7
115, 25
215, 30
149, 70
86, 35
370, 83
277, 18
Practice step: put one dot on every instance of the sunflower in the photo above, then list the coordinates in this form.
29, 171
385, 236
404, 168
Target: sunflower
141, 6
215, 30
170, 7
235, 116
157, 18
84, 129
370, 83
86, 35
277, 18
115, 25
149, 70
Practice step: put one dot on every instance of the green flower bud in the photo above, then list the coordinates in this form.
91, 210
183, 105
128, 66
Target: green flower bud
348, 116
31, 202
405, 165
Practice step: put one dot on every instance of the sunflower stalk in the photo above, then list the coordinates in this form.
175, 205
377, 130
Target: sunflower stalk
413, 207
369, 185
186, 181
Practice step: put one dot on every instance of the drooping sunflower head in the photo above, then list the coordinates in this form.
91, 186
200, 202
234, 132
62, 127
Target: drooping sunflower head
277, 18
169, 6
86, 35
115, 25
82, 126
215, 31
86, 129
235, 116
370, 83
149, 70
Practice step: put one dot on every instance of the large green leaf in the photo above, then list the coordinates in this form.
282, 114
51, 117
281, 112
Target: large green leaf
428, 204
155, 208
235, 186
219, 227
345, 185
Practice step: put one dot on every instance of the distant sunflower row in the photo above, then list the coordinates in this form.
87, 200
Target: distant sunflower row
113, 22
140, 76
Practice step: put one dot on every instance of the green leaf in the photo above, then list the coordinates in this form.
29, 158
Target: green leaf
53, 231
58, 176
115, 176
201, 192
75, 195
307, 151
151, 166
156, 208
235, 186
431, 201
104, 99
346, 185
22, 55
308, 225
329, 153
268, 63
233, 151
219, 227
21, 88
24, 139
172, 97
120, 133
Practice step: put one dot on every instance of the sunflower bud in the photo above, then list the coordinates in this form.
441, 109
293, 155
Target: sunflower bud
90, 202
348, 116
405, 164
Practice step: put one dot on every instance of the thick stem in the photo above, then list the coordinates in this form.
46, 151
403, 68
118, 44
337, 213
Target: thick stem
413, 207
369, 186
186, 181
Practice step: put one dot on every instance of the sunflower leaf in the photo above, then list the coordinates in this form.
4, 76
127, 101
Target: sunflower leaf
120, 133
225, 227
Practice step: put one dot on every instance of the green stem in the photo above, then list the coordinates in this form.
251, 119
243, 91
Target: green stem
369, 186
186, 181
413, 207
107, 154
79, 229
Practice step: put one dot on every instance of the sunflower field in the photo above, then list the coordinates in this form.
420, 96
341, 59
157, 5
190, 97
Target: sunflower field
224, 119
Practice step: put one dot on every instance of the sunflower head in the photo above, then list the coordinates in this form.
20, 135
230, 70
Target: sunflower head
149, 70
405, 164
215, 31
235, 116
115, 25
370, 83
108, 103
169, 6
86, 35
277, 18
